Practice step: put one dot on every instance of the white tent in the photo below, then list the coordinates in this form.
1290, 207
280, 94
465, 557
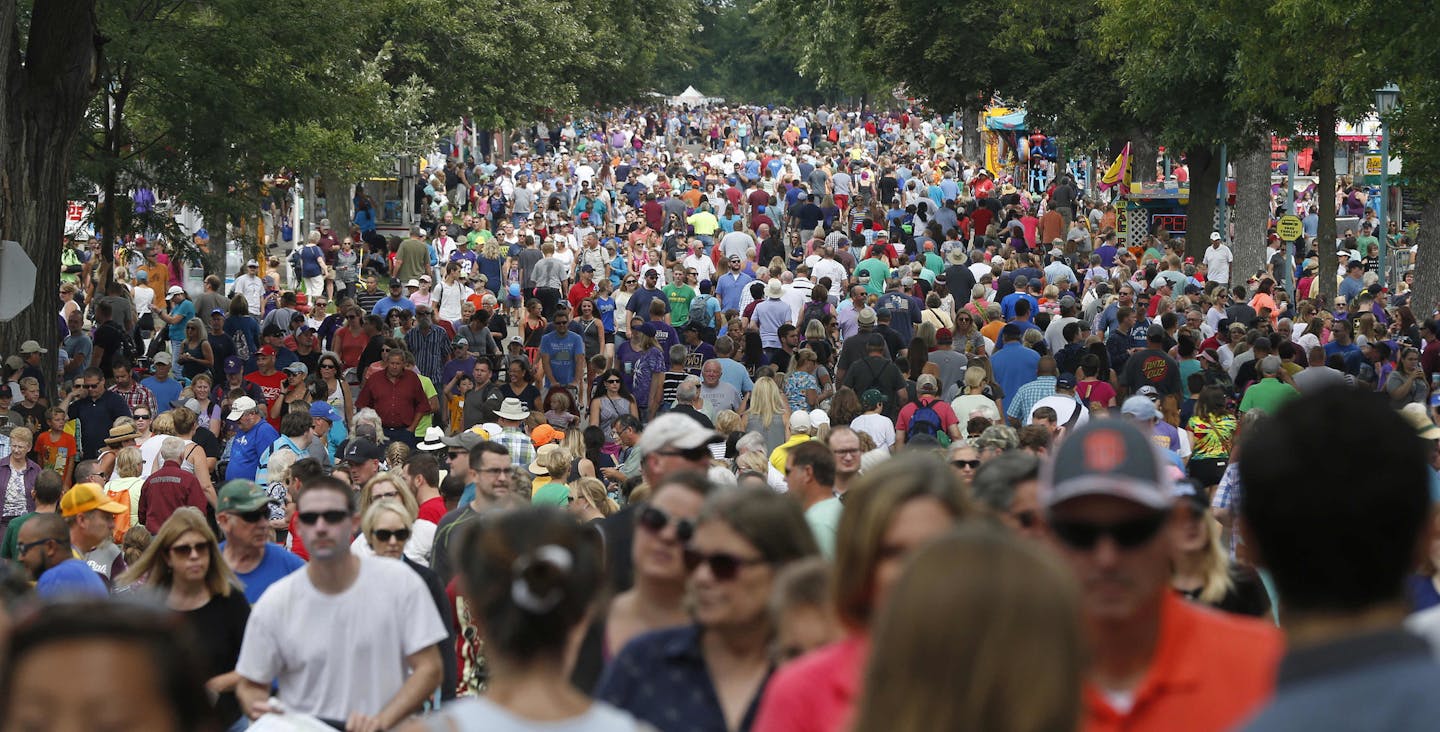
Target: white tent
689, 98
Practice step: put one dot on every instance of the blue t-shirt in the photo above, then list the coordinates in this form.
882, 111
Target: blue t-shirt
186, 311
562, 350
165, 391
276, 564
69, 579
605, 308
246, 448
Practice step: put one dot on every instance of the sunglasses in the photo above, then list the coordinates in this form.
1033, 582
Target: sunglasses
972, 464
1126, 534
723, 566
385, 535
612, 381
198, 549
142, 416
694, 454
310, 518
255, 516
654, 520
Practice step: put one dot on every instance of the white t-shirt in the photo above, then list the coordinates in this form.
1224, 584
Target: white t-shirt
880, 428
1218, 260
337, 654
478, 714
1064, 407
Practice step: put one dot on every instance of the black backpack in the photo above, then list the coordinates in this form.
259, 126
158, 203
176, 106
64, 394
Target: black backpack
813, 310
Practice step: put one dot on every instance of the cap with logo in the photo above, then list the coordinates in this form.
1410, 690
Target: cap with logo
240, 407
1107, 457
359, 450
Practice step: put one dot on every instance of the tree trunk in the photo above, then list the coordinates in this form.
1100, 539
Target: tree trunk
970, 145
47, 86
1252, 211
1143, 150
337, 203
1427, 260
1200, 212
1325, 193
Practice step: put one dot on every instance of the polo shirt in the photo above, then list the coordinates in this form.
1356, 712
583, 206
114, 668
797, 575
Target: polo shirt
1210, 670
662, 677
1015, 366
824, 521
1268, 395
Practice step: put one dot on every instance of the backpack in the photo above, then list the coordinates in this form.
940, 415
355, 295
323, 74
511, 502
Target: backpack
925, 421
813, 310
700, 311
127, 343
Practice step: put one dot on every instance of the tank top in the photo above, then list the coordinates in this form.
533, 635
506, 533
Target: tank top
610, 410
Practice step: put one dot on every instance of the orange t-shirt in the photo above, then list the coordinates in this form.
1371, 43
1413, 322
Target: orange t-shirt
1210, 672
992, 331
57, 454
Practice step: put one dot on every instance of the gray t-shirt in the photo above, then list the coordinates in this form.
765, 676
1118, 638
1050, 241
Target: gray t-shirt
549, 272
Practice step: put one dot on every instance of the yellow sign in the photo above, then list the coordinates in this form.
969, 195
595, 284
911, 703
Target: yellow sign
1372, 165
1289, 228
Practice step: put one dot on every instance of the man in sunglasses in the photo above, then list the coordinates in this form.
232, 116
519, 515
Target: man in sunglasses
352, 640
1112, 517
96, 409
243, 511
674, 442
43, 547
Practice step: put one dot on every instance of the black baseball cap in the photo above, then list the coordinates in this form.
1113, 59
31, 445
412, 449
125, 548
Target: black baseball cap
1108, 457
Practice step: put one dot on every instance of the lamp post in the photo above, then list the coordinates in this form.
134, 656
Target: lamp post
1386, 98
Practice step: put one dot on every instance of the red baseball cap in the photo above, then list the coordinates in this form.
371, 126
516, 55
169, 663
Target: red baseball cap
266, 351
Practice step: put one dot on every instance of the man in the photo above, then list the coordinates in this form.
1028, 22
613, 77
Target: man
928, 415
511, 415
549, 276
429, 343
169, 488
1155, 658
732, 372
397, 395
1354, 281
844, 444
1013, 363
369, 295
1019, 403
733, 284
1217, 260
875, 371
252, 287
489, 463
1069, 412
96, 409
718, 394
270, 381
162, 386
135, 395
769, 315
1343, 614
1152, 366
639, 304
43, 547
688, 402
78, 346
671, 443
801, 430
562, 354
90, 516
338, 638
1317, 376
1270, 392
364, 459
253, 436
810, 475
484, 399
423, 473
1008, 486
412, 259
905, 309
678, 294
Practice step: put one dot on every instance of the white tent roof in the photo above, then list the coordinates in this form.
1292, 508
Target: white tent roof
691, 93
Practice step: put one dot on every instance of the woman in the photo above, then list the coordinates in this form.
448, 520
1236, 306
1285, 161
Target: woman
752, 353
385, 525
347, 268
1264, 299
122, 435
530, 577
421, 295
1213, 430
1017, 603
817, 340
802, 389
589, 501
350, 340
422, 533
532, 326
628, 286
1407, 383
890, 512
741, 540
590, 328
207, 411
125, 488
769, 413
1202, 570
17, 477
183, 567
337, 392
1090, 388
196, 356
520, 383
845, 406
976, 397
935, 314
641, 359
610, 400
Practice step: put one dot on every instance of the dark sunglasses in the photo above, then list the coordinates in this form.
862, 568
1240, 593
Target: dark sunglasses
199, 549
1126, 534
310, 518
142, 416
694, 454
251, 517
972, 464
724, 566
654, 520
385, 535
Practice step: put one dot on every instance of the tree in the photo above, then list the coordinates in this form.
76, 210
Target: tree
1252, 210
46, 82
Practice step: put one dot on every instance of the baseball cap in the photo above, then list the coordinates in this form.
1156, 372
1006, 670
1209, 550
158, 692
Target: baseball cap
174, 290
647, 329
466, 439
324, 411
1000, 436
241, 496
143, 276
412, 282
217, 311
1107, 457
675, 431
359, 449
297, 368
266, 351
165, 358
944, 335
800, 421
1141, 408
252, 263
1149, 392
233, 365
29, 347
87, 497
546, 434
1215, 236
819, 417
927, 382
240, 406
1065, 380
872, 397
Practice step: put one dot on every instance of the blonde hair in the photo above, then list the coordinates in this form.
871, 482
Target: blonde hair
1016, 602
372, 515
1218, 582
163, 424
728, 421
407, 497
22, 434
594, 492
767, 403
278, 469
152, 568
129, 463
556, 462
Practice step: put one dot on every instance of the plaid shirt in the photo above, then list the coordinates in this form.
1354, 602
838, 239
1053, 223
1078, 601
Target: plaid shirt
136, 397
522, 451
431, 348
1027, 395
1227, 495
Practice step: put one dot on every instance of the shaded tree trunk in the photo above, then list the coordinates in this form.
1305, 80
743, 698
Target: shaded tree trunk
1252, 211
970, 145
1143, 150
1427, 259
46, 83
1200, 212
337, 203
1325, 192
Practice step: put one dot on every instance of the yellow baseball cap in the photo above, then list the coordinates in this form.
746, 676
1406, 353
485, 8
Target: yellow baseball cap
87, 497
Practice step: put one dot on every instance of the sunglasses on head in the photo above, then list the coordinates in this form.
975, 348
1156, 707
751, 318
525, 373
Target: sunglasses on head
654, 520
310, 518
385, 535
723, 566
1126, 534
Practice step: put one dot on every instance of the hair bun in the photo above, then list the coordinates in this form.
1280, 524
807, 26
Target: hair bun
537, 587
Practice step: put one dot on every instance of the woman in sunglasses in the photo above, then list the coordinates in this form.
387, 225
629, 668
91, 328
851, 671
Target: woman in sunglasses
183, 568
337, 392
713, 672
890, 512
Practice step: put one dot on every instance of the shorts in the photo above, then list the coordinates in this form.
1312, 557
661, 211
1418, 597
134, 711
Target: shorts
842, 201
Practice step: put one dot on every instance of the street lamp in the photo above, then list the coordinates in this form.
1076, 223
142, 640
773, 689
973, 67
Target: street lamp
1386, 98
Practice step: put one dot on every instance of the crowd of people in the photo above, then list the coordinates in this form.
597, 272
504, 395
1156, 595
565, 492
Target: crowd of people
728, 419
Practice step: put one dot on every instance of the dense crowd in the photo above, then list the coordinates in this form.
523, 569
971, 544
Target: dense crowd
724, 419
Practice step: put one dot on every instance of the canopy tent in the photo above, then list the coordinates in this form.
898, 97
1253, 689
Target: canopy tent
1010, 122
689, 98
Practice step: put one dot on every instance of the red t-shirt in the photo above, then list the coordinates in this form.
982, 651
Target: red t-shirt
273, 387
432, 510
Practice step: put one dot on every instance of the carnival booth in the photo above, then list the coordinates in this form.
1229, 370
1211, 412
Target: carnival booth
1012, 147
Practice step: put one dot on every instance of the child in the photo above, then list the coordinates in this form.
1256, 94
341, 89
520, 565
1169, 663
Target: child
455, 403
605, 308
55, 447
